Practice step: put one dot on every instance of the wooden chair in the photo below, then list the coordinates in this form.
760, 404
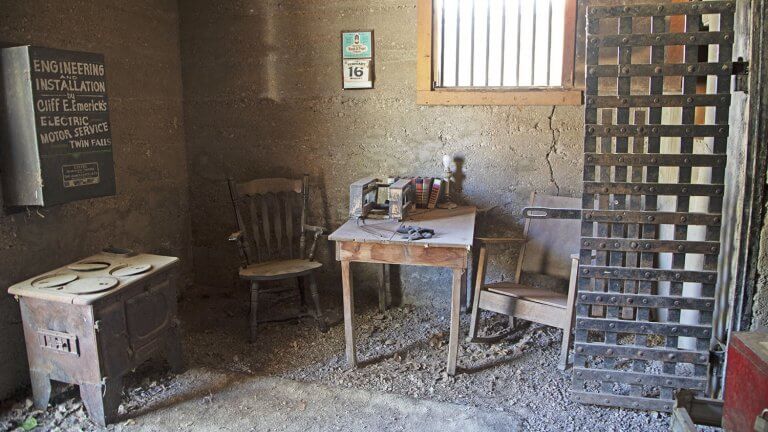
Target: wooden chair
271, 248
544, 286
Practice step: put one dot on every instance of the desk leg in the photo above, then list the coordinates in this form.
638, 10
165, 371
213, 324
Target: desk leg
388, 285
453, 341
349, 312
382, 288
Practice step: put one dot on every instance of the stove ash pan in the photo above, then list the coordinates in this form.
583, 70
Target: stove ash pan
94, 343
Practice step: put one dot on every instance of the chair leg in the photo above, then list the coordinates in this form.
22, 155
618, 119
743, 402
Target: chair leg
569, 315
478, 288
302, 295
316, 299
474, 319
563, 362
254, 309
474, 323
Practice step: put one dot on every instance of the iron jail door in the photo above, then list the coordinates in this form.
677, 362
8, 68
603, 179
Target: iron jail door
656, 137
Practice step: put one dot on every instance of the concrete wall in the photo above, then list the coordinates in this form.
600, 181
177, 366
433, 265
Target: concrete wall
150, 212
760, 299
262, 90
760, 305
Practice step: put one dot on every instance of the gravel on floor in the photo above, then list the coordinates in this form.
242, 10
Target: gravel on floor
402, 351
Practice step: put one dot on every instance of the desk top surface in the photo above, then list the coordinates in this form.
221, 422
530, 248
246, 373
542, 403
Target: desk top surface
453, 228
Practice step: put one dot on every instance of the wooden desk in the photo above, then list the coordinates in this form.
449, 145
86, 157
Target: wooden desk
375, 241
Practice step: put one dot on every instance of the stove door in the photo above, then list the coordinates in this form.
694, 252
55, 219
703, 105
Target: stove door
134, 326
115, 352
149, 315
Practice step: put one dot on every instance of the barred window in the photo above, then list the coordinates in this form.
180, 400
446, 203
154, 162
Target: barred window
505, 45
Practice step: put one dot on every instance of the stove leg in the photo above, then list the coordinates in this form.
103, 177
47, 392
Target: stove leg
173, 353
102, 401
41, 388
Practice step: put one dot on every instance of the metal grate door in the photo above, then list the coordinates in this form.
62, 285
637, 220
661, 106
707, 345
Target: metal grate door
631, 295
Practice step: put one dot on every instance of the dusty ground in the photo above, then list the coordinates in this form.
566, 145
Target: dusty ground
403, 353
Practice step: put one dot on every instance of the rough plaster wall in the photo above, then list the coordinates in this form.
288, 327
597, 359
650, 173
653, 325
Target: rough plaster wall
150, 212
262, 98
760, 305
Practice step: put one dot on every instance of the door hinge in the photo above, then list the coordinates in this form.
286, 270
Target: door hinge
717, 356
741, 70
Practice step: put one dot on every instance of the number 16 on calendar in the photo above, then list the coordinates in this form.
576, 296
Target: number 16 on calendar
357, 74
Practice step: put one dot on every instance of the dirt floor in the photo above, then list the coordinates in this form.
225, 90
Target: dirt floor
403, 353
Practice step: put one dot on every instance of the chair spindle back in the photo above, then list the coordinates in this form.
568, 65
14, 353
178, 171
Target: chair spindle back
276, 209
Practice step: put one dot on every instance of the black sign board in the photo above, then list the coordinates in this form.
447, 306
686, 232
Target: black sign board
65, 95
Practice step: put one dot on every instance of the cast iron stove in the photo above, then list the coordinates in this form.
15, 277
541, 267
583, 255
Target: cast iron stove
92, 321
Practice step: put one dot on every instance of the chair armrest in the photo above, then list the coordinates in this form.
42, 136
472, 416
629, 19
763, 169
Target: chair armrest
551, 213
318, 231
577, 257
242, 247
314, 228
494, 240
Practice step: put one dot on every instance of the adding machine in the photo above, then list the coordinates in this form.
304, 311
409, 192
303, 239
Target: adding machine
373, 198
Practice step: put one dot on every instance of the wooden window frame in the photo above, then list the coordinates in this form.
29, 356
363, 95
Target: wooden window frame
427, 94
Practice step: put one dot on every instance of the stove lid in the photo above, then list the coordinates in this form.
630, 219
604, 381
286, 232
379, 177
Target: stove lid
90, 285
88, 266
59, 292
130, 270
54, 280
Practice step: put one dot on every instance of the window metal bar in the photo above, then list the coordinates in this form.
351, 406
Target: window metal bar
519, 22
442, 44
472, 48
441, 16
487, 40
503, 38
549, 41
458, 39
533, 45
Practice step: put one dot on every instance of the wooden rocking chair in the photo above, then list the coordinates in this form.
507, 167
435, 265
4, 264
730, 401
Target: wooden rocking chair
270, 248
544, 287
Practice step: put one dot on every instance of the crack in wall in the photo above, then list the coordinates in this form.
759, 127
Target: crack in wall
552, 148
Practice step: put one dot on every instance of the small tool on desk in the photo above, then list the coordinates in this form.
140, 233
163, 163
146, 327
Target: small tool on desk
416, 233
